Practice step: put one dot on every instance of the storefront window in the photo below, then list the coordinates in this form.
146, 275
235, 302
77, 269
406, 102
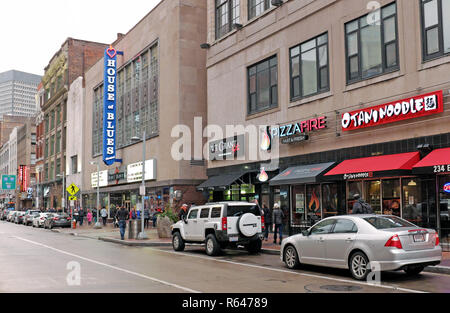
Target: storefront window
313, 203
282, 197
412, 200
353, 188
298, 212
330, 201
391, 197
444, 206
373, 195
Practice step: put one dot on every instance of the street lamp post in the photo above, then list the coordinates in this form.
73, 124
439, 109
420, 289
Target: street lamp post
63, 204
97, 225
142, 235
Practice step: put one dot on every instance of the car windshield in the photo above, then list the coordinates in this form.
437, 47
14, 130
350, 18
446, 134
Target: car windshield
238, 210
386, 222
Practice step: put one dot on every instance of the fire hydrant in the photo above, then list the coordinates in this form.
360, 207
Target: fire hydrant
74, 224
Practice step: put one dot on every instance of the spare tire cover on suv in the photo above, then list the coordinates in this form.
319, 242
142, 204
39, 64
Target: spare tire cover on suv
248, 225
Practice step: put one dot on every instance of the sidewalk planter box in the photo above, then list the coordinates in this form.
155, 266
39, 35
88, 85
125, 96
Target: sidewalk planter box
163, 225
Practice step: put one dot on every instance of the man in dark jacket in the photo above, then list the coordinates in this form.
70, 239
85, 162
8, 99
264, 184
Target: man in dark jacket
122, 216
81, 216
277, 219
360, 206
183, 212
267, 221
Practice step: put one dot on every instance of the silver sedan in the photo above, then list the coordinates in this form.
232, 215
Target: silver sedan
355, 242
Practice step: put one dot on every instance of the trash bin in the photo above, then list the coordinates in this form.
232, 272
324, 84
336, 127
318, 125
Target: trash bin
134, 228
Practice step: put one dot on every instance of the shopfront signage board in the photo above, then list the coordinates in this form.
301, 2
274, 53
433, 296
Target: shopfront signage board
228, 148
9, 182
415, 107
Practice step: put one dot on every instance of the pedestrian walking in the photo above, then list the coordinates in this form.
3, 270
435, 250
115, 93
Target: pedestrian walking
133, 214
80, 216
89, 217
267, 221
277, 218
122, 216
104, 215
360, 206
146, 217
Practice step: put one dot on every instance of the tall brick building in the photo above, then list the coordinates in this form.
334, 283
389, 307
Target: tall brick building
73, 59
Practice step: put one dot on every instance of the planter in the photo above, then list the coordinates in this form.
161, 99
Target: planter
163, 225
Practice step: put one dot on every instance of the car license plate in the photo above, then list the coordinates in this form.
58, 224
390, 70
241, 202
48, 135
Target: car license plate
233, 239
419, 238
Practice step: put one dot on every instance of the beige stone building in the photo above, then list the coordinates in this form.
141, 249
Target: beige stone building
307, 69
161, 83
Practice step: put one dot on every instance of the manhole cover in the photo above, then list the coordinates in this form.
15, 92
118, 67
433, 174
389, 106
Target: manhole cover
340, 288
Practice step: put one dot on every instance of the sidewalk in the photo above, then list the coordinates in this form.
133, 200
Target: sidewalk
111, 234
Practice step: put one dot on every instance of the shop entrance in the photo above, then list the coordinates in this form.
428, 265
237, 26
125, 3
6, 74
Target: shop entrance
444, 211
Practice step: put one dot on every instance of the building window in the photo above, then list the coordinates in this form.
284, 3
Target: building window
227, 14
372, 44
435, 28
74, 164
58, 166
263, 86
257, 7
309, 67
58, 142
52, 145
46, 148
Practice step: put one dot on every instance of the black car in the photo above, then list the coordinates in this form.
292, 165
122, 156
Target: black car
57, 220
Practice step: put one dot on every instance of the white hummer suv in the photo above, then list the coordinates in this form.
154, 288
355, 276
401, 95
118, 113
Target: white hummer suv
221, 225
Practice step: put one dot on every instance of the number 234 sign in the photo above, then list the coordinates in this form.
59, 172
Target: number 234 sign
442, 168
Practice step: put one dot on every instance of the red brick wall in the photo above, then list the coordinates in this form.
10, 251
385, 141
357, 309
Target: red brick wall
82, 55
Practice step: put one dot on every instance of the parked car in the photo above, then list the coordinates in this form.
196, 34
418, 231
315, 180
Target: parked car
57, 220
220, 225
11, 215
4, 214
18, 218
28, 219
351, 242
39, 220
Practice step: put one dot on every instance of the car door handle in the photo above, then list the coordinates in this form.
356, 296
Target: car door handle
349, 239
321, 240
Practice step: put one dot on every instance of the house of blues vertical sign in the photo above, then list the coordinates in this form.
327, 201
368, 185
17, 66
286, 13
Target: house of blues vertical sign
109, 107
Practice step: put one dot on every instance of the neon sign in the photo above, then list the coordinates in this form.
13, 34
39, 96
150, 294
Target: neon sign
109, 106
447, 188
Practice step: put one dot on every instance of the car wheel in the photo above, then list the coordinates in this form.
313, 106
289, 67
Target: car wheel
359, 266
414, 270
212, 246
50, 226
291, 257
177, 242
254, 246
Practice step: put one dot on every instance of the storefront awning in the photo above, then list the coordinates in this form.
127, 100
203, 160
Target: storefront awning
378, 166
305, 174
220, 181
438, 161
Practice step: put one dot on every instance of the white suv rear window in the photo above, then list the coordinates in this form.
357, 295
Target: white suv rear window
238, 210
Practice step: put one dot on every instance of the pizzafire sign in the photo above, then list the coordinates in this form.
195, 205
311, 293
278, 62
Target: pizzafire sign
424, 105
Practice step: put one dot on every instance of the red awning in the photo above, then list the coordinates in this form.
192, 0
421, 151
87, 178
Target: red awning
378, 166
438, 161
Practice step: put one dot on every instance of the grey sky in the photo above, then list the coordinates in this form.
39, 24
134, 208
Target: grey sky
33, 31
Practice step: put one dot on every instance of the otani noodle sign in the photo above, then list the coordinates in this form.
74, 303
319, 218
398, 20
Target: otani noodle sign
424, 105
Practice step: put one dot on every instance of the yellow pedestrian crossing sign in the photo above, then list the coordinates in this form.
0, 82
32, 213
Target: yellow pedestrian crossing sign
73, 189
72, 198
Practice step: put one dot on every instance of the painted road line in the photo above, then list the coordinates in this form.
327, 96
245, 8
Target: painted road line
292, 272
110, 266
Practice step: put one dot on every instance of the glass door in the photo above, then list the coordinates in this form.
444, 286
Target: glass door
373, 195
353, 188
444, 210
391, 197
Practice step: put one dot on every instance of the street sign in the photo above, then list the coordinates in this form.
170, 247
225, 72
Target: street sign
72, 198
73, 189
9, 182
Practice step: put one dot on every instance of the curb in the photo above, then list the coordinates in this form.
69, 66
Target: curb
135, 244
270, 251
438, 269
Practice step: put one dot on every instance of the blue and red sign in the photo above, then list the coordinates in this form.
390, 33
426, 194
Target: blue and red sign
109, 107
447, 188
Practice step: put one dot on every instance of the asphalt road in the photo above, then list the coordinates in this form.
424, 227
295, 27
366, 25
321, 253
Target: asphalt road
38, 260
